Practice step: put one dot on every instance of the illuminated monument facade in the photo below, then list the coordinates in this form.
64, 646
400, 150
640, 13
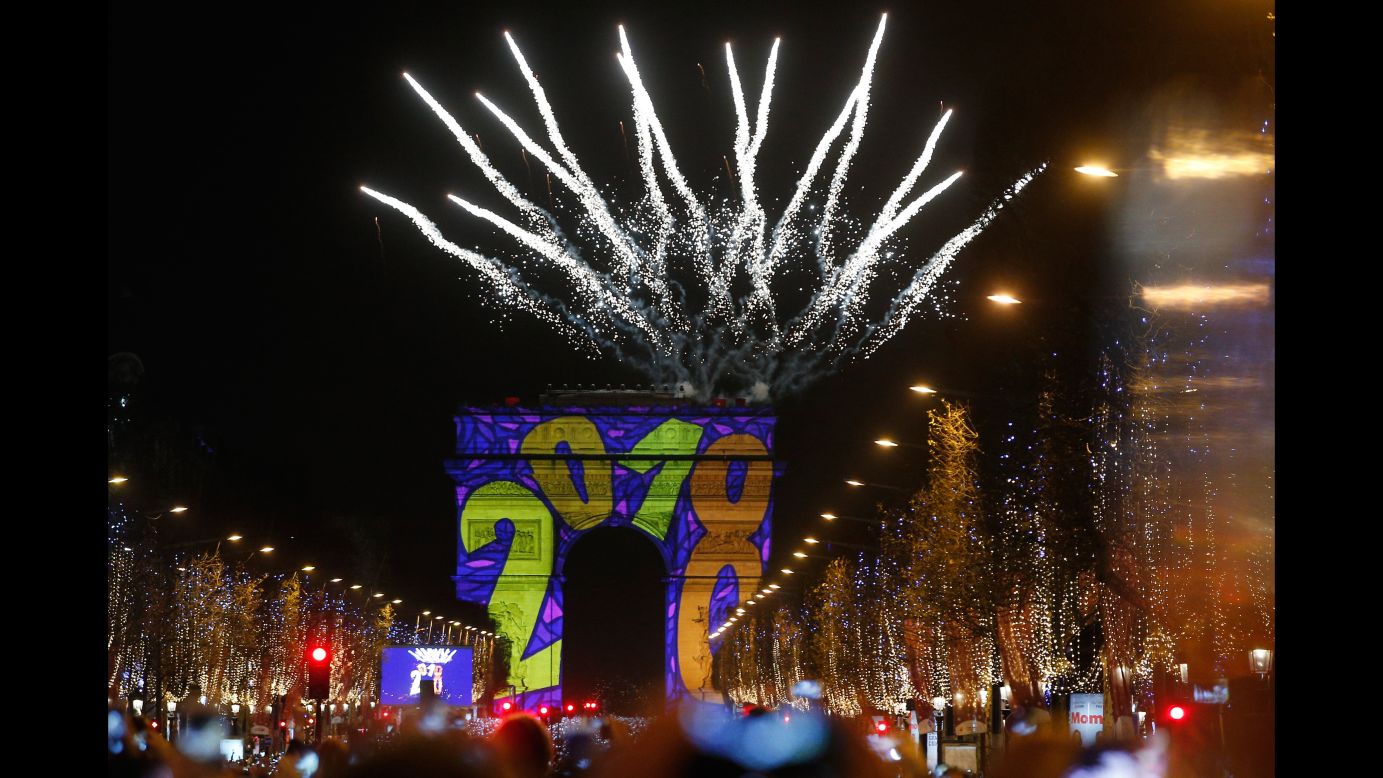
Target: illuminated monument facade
696, 481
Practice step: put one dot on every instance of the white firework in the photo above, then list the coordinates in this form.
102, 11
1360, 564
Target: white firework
652, 283
433, 656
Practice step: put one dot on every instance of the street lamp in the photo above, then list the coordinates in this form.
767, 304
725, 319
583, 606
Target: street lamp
1260, 659
857, 483
1003, 298
1098, 171
119, 479
888, 443
922, 389
828, 516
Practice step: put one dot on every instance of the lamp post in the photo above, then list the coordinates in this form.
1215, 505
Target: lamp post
1260, 661
855, 482
172, 720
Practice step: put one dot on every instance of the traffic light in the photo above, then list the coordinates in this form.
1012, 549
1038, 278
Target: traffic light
507, 706
571, 707
319, 673
542, 711
1176, 713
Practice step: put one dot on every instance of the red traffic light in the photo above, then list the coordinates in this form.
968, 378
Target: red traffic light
570, 707
1176, 713
319, 654
507, 706
542, 710
881, 727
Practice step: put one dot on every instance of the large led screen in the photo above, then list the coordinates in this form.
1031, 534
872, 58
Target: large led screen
404, 668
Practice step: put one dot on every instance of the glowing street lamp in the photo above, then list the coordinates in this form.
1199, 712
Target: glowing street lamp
178, 509
922, 389
853, 482
119, 479
889, 443
235, 538
267, 550
1003, 299
1098, 171
810, 541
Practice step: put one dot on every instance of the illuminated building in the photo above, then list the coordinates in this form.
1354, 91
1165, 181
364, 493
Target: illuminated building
696, 481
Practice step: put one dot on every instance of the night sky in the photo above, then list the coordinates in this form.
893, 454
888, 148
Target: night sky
318, 360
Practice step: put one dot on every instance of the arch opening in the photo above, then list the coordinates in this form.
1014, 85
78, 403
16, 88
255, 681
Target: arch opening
614, 590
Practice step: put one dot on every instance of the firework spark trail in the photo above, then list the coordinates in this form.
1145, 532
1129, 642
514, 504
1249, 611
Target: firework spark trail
597, 294
823, 253
752, 219
850, 285
865, 257
716, 348
496, 179
907, 302
787, 230
595, 205
508, 290
632, 259
699, 226
856, 294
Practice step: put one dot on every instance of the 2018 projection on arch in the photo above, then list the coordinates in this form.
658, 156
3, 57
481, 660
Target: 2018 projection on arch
696, 481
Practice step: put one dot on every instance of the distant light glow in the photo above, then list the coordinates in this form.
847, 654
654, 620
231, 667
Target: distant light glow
852, 482
922, 389
1003, 299
119, 479
886, 443
1195, 296
235, 538
1096, 170
812, 541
